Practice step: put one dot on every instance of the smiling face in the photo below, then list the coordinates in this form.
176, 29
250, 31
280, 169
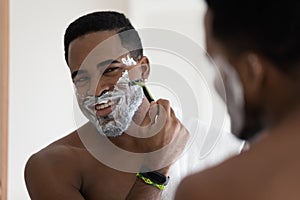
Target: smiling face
98, 63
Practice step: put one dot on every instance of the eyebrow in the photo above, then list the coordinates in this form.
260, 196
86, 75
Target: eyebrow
107, 62
78, 72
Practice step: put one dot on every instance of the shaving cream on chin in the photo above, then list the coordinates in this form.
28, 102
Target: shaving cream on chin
124, 101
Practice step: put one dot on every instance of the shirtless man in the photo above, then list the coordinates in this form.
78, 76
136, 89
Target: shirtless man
67, 169
256, 45
105, 57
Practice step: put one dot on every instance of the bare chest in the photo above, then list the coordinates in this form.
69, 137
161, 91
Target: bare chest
101, 182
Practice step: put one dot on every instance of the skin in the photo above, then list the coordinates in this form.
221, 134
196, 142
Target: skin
270, 168
66, 169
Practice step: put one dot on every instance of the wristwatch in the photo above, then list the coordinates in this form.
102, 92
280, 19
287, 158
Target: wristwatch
156, 177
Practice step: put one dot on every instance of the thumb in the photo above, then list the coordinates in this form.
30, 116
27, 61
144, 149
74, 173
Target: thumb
151, 115
141, 130
155, 119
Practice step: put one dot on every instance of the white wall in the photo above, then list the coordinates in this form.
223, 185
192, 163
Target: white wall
41, 100
185, 17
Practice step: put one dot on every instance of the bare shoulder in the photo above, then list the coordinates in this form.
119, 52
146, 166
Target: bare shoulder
56, 167
233, 179
209, 184
59, 152
263, 172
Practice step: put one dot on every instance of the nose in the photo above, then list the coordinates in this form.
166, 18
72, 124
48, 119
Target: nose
102, 88
99, 86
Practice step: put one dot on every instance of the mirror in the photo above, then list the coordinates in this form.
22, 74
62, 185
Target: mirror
3, 97
41, 106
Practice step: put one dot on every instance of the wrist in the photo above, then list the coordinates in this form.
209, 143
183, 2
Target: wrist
157, 178
154, 179
164, 171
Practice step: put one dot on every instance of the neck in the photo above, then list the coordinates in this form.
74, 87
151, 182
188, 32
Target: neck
289, 118
286, 110
281, 97
286, 120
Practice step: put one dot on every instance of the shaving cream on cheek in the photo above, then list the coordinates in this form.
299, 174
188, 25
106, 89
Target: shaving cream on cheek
123, 101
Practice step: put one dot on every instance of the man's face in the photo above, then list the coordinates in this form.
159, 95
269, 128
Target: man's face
101, 72
245, 120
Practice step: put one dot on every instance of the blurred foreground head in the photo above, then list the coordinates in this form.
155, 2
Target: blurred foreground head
256, 45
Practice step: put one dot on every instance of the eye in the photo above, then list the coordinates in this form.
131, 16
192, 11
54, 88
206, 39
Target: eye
81, 81
111, 69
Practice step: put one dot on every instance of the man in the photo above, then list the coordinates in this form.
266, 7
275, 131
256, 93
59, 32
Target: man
101, 159
256, 44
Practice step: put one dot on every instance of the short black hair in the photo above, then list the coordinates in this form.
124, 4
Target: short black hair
269, 27
103, 21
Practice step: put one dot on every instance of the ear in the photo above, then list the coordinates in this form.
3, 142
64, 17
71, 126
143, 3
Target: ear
256, 70
253, 75
145, 66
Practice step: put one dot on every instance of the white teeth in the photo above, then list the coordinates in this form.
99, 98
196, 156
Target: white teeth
103, 105
104, 101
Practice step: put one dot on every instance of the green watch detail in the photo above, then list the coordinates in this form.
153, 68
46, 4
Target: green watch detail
155, 179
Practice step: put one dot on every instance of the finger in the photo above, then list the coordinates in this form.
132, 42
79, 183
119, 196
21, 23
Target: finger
166, 105
156, 111
172, 114
169, 111
158, 118
149, 116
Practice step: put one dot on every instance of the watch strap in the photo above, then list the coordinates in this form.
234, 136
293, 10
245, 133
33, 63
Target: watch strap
150, 182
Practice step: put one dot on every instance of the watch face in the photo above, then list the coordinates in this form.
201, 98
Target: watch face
156, 177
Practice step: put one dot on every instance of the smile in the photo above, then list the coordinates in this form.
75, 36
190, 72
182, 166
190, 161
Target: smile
103, 105
104, 108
